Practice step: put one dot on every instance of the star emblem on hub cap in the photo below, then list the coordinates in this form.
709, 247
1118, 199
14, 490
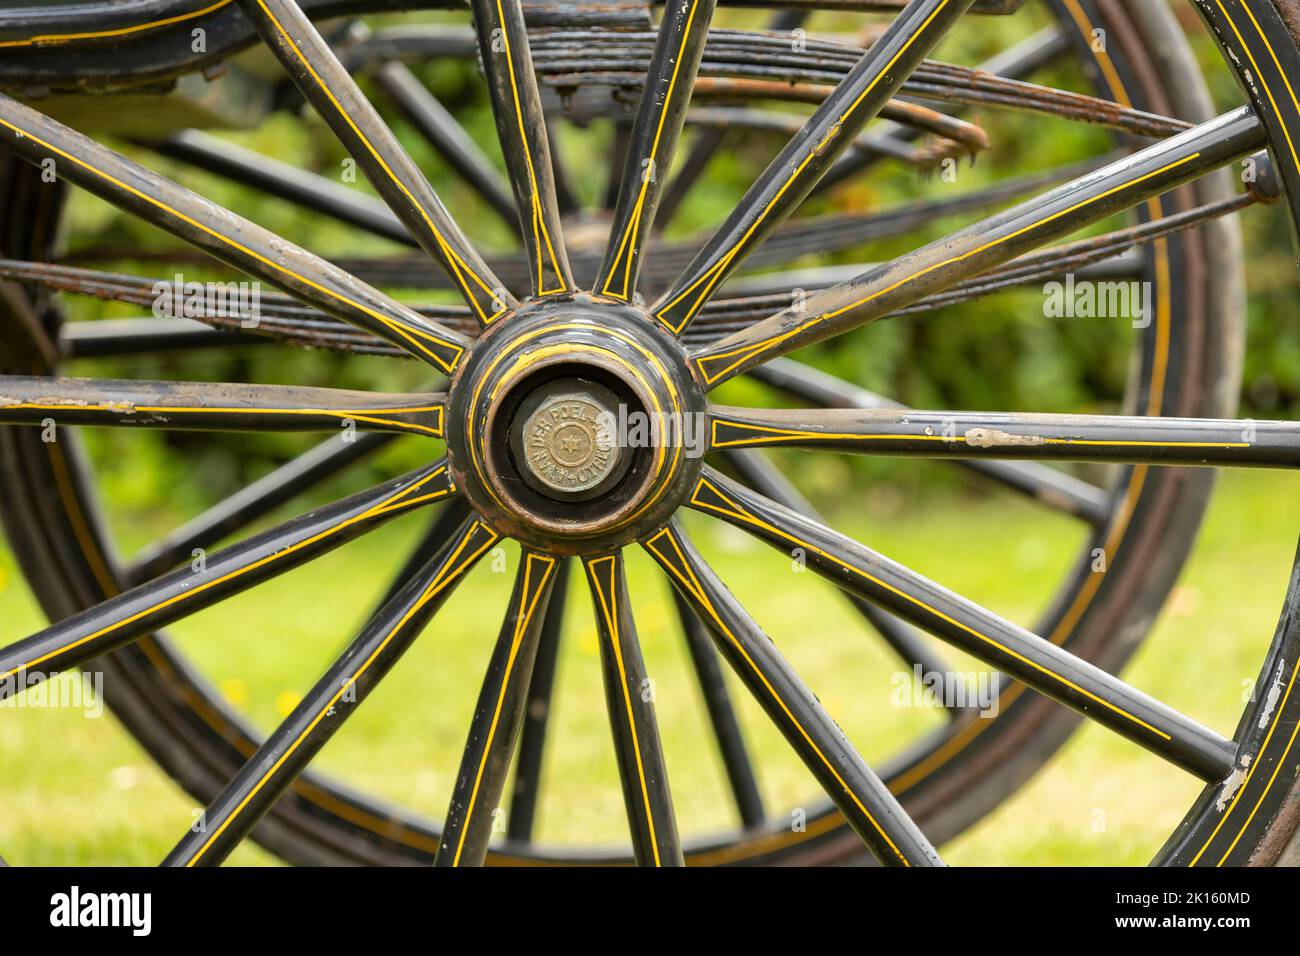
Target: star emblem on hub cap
568, 441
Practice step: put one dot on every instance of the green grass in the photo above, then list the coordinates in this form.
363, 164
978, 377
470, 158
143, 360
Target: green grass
78, 791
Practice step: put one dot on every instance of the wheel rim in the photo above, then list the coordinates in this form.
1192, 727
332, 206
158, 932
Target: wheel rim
543, 279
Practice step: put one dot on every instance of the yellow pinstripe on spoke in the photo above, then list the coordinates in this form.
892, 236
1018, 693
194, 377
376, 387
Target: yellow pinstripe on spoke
740, 513
767, 434
743, 353
541, 235
711, 277
411, 334
369, 415
399, 499
530, 595
628, 243
448, 573
460, 269
55, 39
608, 596
687, 577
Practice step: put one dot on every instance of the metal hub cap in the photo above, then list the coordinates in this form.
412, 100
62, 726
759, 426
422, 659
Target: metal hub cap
565, 438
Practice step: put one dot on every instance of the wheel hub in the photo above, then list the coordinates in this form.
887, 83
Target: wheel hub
565, 424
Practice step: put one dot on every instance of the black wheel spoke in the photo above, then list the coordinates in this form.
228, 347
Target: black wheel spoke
987, 244
497, 718
334, 698
867, 804
223, 235
274, 178
252, 502
146, 607
722, 717
79, 340
446, 523
537, 712
756, 472
841, 231
328, 84
788, 124
704, 146
442, 131
521, 126
566, 200
1016, 63
225, 306
709, 138
654, 136
619, 150
796, 169
208, 406
1036, 52
1040, 664
1047, 485
1101, 263
1127, 439
629, 696
1111, 255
